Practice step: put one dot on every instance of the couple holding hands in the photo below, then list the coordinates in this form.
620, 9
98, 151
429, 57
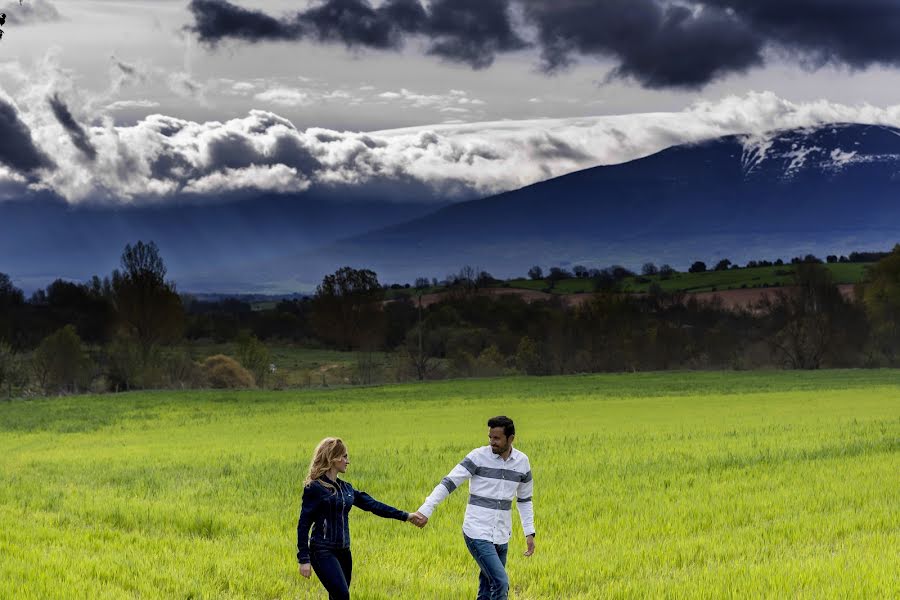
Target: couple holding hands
498, 474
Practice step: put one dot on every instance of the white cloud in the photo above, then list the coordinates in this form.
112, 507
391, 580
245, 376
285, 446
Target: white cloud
162, 156
293, 96
285, 97
243, 86
273, 178
182, 84
438, 102
126, 104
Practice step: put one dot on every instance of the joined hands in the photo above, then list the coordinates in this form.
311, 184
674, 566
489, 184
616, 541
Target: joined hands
418, 519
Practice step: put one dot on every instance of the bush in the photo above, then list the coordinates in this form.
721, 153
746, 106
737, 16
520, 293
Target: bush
528, 361
490, 363
182, 372
61, 364
126, 369
223, 372
254, 356
12, 370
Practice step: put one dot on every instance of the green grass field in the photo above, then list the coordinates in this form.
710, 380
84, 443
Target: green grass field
705, 282
680, 485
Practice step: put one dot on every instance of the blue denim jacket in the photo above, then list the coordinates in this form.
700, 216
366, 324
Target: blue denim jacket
325, 510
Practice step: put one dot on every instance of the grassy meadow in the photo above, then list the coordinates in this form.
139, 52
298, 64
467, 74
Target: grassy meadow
681, 485
299, 366
708, 281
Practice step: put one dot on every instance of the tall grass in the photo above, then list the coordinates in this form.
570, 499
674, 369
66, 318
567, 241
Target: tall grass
674, 485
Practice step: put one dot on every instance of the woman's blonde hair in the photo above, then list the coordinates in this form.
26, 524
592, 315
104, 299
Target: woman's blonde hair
329, 450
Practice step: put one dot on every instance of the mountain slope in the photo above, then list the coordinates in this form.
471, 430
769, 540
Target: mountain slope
826, 190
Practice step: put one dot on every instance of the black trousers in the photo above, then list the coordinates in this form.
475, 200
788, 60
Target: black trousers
334, 569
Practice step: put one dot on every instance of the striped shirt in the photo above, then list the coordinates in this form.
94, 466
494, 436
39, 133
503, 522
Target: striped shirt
494, 483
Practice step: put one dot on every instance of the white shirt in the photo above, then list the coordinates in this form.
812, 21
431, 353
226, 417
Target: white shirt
494, 483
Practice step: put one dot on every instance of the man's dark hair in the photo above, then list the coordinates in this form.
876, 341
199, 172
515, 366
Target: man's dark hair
506, 423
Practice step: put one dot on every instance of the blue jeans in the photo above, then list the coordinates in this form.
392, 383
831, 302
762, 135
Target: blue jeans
334, 569
493, 584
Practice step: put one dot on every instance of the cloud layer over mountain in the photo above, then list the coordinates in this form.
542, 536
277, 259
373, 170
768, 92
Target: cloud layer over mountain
162, 158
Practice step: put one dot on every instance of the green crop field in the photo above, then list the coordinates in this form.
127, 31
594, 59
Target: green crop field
680, 485
704, 282
842, 273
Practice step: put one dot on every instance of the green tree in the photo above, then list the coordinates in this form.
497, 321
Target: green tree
11, 300
491, 362
528, 360
807, 318
881, 297
148, 307
347, 309
12, 373
61, 364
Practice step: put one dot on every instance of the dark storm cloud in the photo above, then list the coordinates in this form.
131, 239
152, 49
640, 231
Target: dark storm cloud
858, 33
657, 43
218, 19
352, 22
466, 31
17, 148
472, 31
76, 132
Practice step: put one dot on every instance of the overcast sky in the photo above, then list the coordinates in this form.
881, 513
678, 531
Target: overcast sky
129, 100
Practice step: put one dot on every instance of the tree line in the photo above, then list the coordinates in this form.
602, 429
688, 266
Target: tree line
127, 330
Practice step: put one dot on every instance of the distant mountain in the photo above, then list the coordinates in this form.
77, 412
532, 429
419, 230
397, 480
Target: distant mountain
206, 247
831, 189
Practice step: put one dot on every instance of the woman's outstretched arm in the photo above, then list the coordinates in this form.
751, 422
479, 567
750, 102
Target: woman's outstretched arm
369, 504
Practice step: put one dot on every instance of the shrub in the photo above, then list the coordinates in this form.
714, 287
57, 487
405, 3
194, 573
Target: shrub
223, 372
254, 356
127, 369
61, 364
12, 370
182, 372
490, 363
528, 360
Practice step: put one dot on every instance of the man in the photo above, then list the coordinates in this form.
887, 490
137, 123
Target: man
498, 474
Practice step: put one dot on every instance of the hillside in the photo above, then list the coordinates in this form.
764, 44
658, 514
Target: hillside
827, 190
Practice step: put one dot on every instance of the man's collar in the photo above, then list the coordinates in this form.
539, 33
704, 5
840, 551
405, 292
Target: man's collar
512, 454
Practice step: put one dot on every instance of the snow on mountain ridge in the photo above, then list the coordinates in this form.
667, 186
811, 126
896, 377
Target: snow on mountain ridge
830, 148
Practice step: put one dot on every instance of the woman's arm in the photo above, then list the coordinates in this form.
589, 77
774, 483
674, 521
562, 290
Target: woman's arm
312, 498
368, 503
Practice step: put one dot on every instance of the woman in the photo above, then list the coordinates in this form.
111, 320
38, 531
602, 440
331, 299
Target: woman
326, 503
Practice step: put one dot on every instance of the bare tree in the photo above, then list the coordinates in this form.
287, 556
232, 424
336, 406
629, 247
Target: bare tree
804, 318
423, 362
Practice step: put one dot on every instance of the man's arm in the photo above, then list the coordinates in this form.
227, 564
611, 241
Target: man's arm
525, 504
460, 473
